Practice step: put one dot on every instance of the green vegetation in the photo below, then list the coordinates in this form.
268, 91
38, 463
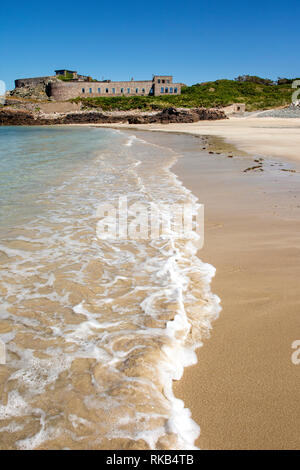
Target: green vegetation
256, 93
65, 78
69, 76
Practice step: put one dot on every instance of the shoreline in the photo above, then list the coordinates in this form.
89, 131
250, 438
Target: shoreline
268, 137
243, 390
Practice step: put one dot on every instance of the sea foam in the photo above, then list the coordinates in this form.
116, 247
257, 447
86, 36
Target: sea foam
100, 329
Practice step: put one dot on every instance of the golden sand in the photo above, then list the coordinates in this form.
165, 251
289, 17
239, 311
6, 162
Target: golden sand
244, 390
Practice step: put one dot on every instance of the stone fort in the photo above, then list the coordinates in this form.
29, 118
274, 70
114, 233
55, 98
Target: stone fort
66, 84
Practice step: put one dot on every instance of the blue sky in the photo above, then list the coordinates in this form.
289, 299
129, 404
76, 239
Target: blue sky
193, 40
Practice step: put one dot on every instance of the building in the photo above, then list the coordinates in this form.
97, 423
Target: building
71, 75
158, 86
235, 108
73, 85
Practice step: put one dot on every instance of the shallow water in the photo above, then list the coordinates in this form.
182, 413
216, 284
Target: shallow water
95, 329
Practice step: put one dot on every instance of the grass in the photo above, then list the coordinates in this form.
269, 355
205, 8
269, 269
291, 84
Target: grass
69, 77
65, 78
256, 96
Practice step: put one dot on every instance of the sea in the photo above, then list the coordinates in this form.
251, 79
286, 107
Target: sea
96, 325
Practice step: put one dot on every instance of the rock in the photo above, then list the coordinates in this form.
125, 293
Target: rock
18, 117
36, 91
252, 168
179, 115
136, 120
292, 111
11, 116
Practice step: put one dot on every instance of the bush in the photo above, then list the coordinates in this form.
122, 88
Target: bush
256, 94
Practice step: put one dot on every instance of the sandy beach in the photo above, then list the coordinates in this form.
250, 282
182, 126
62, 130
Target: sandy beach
150, 229
244, 390
271, 137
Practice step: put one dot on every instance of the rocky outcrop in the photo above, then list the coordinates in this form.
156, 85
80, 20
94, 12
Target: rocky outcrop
179, 115
34, 88
19, 117
37, 92
16, 117
94, 118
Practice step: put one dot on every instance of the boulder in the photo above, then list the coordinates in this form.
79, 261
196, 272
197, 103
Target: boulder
29, 117
181, 115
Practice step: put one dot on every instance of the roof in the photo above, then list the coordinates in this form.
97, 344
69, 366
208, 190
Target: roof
65, 70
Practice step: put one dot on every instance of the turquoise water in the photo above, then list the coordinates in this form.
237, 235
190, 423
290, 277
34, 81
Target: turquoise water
35, 159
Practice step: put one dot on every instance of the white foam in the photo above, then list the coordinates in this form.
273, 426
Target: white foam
130, 141
158, 270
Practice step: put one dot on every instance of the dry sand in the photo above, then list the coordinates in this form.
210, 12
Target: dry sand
244, 391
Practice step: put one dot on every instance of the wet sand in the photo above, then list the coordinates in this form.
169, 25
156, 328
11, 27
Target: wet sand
272, 137
96, 329
244, 390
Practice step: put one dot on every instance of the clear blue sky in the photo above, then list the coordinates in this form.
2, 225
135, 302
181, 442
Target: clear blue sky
194, 40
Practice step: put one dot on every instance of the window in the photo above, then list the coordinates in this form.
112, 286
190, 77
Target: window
171, 90
114, 90
122, 90
158, 81
136, 90
106, 90
162, 89
175, 90
90, 90
168, 81
143, 90
128, 90
167, 90
83, 90
99, 90
163, 81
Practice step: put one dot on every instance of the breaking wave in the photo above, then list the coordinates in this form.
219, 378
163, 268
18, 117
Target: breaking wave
96, 331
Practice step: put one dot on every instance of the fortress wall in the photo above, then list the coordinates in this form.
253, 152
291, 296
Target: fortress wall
61, 91
159, 86
65, 91
31, 82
